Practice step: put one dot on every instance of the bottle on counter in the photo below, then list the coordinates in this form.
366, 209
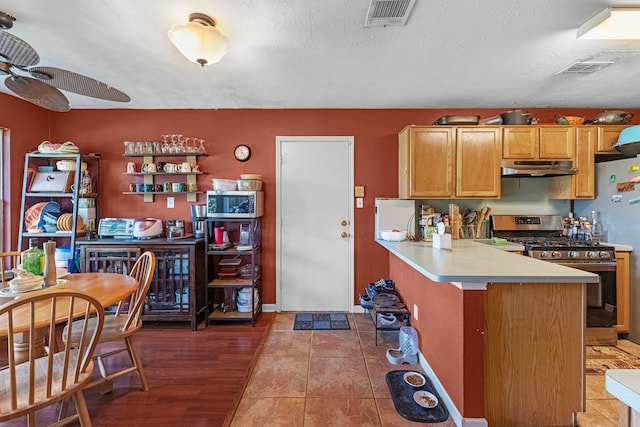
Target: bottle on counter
33, 258
597, 231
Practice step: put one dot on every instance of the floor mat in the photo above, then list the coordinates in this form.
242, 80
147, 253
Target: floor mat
320, 321
603, 357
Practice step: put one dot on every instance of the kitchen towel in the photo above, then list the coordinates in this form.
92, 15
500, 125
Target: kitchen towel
321, 321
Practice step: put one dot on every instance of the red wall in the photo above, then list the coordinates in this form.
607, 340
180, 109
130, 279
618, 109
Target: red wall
104, 131
450, 330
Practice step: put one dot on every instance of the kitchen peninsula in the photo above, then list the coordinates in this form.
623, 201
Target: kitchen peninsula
502, 334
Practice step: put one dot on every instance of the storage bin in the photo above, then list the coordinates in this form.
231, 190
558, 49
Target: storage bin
223, 184
249, 185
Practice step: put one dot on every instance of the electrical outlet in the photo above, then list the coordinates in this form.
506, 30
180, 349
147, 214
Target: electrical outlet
415, 311
171, 202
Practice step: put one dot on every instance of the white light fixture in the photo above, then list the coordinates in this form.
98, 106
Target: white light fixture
612, 24
199, 40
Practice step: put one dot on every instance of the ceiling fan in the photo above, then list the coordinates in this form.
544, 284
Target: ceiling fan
42, 88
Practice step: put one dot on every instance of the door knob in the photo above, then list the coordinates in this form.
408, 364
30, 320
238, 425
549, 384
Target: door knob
344, 223
344, 235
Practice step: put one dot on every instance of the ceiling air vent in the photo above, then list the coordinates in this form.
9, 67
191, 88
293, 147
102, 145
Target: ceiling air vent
384, 13
585, 67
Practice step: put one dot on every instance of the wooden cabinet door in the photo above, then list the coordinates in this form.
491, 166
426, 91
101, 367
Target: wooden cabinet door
622, 291
584, 182
520, 142
478, 162
607, 137
425, 162
557, 142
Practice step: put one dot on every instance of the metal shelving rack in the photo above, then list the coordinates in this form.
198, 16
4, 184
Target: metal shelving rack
218, 287
34, 160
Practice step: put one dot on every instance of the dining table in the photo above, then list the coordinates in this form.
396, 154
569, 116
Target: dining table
107, 288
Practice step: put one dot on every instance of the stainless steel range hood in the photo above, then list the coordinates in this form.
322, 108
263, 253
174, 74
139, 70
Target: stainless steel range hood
537, 168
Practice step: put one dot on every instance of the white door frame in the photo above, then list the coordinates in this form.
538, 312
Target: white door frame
279, 141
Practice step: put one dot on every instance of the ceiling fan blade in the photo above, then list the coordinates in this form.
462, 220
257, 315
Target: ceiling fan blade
38, 93
77, 83
17, 51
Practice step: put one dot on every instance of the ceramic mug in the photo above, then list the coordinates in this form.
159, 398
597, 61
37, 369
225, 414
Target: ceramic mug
184, 167
161, 166
170, 167
148, 188
131, 167
149, 167
192, 187
132, 187
177, 187
195, 167
168, 187
140, 188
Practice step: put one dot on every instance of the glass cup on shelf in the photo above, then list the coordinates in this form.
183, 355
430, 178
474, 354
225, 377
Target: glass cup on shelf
129, 148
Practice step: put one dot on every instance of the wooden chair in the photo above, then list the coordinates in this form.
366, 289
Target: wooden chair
57, 376
13, 258
126, 320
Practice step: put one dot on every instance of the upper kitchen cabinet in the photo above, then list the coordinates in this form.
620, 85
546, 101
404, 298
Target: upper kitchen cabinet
537, 142
478, 162
425, 162
607, 137
582, 184
430, 157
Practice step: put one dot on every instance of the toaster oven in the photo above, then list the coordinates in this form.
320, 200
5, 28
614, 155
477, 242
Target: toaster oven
119, 228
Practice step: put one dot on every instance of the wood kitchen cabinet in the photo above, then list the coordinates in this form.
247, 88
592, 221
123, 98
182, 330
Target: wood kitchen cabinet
622, 291
538, 142
478, 162
607, 137
430, 157
581, 185
425, 162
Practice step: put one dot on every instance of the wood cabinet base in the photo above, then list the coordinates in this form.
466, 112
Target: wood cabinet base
601, 336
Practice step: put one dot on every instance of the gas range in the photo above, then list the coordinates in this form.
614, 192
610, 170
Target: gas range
541, 236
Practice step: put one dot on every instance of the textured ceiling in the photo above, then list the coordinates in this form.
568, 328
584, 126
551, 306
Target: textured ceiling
319, 54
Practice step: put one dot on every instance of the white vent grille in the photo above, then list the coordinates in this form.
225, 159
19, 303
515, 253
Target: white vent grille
384, 13
586, 67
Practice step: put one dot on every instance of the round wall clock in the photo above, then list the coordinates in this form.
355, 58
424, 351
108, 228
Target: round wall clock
242, 152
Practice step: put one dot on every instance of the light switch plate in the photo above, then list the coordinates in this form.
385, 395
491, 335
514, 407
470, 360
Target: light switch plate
171, 202
359, 203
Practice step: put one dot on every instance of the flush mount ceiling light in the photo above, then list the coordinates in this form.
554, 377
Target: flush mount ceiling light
199, 40
612, 24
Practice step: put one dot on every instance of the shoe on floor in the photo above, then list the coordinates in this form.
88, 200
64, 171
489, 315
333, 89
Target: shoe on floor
365, 302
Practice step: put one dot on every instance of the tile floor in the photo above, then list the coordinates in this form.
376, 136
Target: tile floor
337, 378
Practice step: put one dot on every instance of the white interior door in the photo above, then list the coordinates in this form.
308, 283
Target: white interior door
314, 247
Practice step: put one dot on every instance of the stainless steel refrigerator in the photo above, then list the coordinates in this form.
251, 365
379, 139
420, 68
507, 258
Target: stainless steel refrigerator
620, 214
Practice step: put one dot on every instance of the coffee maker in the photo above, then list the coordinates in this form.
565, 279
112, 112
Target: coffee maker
198, 218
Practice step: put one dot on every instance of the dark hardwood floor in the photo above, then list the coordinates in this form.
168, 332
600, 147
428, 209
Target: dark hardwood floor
195, 378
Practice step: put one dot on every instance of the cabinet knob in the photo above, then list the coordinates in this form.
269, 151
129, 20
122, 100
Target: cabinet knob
344, 235
344, 223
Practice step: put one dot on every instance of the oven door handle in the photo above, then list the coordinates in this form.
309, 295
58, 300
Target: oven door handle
592, 266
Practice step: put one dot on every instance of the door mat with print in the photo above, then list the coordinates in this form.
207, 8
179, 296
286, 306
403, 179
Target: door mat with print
603, 357
320, 321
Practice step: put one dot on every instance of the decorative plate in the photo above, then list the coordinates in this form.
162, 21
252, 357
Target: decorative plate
7, 292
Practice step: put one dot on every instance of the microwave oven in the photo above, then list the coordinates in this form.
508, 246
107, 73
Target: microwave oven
235, 204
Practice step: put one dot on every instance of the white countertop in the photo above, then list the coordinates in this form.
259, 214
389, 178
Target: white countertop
476, 262
619, 247
625, 385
